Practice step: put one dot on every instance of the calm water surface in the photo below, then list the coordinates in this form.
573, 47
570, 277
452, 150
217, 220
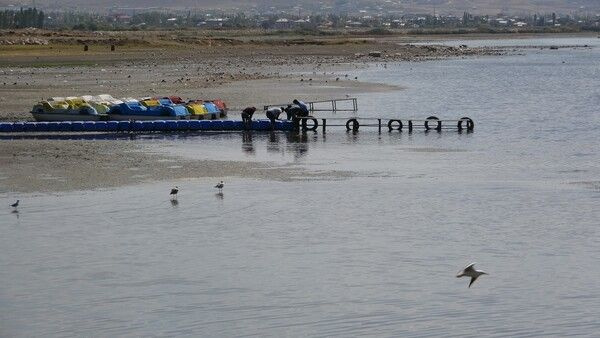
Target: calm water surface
371, 255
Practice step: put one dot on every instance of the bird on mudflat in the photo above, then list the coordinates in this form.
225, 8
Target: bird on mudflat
220, 186
174, 192
470, 271
16, 204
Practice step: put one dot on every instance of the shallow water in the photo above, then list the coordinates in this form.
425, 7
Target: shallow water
549, 41
374, 254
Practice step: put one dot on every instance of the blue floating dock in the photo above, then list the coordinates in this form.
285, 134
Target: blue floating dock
142, 126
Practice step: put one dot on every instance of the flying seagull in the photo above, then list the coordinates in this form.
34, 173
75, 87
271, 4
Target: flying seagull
219, 186
16, 204
470, 271
174, 192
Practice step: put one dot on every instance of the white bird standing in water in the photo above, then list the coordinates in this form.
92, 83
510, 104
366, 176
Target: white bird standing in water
219, 186
470, 271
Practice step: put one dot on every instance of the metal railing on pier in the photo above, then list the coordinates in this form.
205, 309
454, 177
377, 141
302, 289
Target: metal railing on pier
344, 105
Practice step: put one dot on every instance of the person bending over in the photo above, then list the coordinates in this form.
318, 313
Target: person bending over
273, 114
304, 111
247, 115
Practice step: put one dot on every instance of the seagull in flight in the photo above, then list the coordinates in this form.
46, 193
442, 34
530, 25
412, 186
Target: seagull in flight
174, 192
470, 271
16, 204
219, 186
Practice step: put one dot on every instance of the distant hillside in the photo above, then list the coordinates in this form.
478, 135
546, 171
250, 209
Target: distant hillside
406, 6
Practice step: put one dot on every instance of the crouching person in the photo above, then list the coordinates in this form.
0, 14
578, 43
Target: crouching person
289, 111
273, 114
247, 116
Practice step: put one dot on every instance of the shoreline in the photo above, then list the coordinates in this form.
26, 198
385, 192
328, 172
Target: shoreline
241, 77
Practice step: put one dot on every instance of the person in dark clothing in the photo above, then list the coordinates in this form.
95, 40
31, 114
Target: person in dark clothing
297, 110
289, 112
304, 111
247, 115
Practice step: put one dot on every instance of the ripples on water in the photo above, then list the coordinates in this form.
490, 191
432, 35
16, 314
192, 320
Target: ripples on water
375, 254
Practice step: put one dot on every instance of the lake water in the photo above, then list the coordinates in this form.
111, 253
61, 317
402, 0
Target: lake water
372, 253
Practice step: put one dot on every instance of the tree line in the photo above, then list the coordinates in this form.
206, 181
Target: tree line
22, 18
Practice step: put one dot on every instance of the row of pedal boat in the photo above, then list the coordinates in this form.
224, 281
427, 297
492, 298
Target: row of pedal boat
104, 107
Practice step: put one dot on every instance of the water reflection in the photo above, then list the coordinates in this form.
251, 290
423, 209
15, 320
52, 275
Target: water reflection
247, 145
219, 195
273, 146
295, 147
276, 146
352, 136
174, 203
297, 144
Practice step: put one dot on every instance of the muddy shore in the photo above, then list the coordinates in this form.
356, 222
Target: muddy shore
245, 75
242, 72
